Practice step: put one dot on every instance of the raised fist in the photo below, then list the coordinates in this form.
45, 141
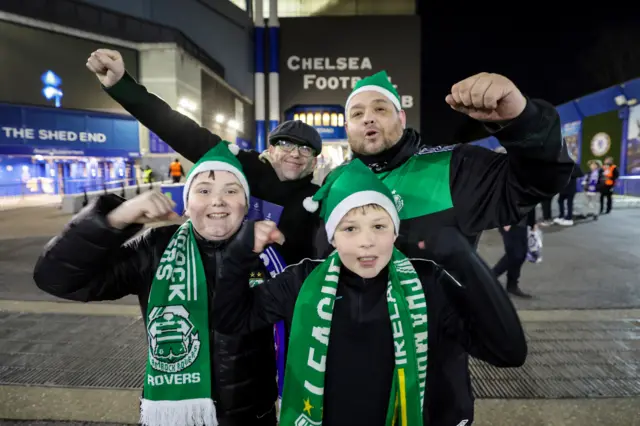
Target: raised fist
148, 207
487, 97
266, 232
107, 65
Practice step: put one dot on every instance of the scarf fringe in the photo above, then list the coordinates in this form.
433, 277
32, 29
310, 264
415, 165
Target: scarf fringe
188, 412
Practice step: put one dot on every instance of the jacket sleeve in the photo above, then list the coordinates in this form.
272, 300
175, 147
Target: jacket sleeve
490, 329
177, 130
239, 308
489, 189
90, 261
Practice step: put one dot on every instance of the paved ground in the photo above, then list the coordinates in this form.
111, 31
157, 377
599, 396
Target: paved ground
587, 266
583, 368
567, 359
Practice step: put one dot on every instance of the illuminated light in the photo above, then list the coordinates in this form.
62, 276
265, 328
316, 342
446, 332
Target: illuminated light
340, 120
318, 118
51, 90
50, 78
303, 118
334, 119
234, 124
296, 116
187, 104
219, 118
9, 168
310, 119
326, 120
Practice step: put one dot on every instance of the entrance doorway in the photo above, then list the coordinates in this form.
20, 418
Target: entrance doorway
333, 154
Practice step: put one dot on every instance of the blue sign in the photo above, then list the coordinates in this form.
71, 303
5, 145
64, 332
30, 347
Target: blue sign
264, 210
51, 88
243, 143
174, 192
328, 133
158, 146
46, 131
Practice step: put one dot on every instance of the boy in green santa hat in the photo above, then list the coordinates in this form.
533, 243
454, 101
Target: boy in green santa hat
194, 376
371, 331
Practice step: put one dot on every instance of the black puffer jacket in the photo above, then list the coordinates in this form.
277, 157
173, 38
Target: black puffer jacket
91, 262
468, 314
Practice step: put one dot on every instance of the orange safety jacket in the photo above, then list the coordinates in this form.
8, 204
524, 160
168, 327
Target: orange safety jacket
175, 169
608, 175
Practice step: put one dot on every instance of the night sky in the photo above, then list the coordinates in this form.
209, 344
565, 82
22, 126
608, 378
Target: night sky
571, 57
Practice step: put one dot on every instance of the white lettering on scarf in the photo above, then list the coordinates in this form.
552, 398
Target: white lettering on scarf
396, 327
177, 274
321, 334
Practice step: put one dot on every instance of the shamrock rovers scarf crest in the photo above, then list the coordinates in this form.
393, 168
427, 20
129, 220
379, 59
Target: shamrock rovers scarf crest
302, 402
177, 386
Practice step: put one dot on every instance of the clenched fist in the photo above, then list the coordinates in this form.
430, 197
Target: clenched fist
266, 232
487, 97
107, 65
145, 208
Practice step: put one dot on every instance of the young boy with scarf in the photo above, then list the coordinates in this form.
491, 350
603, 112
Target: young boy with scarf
371, 331
194, 376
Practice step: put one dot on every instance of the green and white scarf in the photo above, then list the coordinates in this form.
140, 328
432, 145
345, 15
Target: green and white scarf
302, 402
177, 383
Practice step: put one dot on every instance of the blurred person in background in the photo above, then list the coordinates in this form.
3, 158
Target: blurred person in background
610, 174
567, 196
516, 245
592, 185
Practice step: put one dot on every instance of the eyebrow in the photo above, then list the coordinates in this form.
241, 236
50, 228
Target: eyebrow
378, 219
226, 184
375, 101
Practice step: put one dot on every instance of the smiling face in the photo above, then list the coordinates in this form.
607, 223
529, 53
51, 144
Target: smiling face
373, 124
291, 161
364, 240
216, 205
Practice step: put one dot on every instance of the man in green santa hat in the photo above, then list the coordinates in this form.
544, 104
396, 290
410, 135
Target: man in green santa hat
465, 186
373, 333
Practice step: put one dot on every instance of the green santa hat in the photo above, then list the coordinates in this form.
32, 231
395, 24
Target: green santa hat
380, 83
347, 187
220, 158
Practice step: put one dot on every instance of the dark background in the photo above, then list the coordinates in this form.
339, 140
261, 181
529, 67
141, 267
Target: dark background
556, 52
27, 53
382, 39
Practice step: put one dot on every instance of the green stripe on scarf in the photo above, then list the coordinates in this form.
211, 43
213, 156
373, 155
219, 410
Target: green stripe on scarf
302, 402
177, 386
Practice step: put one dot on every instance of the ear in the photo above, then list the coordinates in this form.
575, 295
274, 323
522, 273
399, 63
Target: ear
333, 243
403, 118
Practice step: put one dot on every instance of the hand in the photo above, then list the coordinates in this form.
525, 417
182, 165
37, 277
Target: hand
266, 232
506, 228
107, 65
145, 208
487, 97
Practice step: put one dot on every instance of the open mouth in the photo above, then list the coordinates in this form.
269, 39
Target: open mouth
371, 133
367, 261
217, 215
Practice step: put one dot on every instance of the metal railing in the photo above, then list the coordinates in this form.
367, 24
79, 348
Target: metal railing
628, 185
